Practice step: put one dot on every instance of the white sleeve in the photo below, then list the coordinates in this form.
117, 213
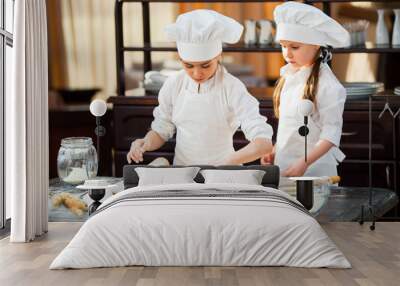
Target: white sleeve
247, 112
162, 123
330, 104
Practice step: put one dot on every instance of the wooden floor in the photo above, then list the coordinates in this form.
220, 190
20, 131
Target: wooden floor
375, 257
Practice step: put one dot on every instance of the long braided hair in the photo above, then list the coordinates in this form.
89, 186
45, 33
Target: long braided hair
311, 87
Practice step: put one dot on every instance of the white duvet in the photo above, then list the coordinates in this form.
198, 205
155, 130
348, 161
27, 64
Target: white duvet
185, 231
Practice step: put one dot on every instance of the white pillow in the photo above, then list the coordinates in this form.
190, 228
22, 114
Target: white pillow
247, 177
165, 176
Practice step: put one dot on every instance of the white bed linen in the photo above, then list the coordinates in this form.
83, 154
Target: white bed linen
200, 231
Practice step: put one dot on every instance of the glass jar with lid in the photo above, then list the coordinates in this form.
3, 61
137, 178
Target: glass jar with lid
77, 160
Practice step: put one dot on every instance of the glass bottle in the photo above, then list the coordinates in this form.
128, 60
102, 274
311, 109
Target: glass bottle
382, 34
396, 28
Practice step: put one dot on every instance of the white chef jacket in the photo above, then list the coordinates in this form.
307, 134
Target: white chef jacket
324, 123
222, 104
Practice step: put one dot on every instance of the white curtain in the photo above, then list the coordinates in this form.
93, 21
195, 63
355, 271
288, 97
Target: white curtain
27, 123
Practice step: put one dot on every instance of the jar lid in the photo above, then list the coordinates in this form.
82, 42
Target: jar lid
96, 184
75, 142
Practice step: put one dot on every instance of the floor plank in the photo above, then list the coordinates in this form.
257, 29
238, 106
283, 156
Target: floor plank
375, 257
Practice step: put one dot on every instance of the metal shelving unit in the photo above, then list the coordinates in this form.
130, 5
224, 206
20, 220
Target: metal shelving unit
370, 207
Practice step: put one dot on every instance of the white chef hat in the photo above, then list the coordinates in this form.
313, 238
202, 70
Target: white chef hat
304, 23
199, 34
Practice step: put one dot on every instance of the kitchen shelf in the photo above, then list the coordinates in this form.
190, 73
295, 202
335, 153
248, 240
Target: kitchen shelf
386, 96
147, 47
242, 47
244, 1
204, 1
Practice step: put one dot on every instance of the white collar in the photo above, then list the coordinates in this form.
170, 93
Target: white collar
208, 85
289, 71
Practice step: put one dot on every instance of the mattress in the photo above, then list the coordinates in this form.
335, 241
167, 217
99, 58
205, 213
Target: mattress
201, 225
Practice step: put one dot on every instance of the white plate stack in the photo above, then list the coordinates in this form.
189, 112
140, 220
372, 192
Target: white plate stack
397, 90
362, 90
153, 81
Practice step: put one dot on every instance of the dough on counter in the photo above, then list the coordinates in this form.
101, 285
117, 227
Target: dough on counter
72, 203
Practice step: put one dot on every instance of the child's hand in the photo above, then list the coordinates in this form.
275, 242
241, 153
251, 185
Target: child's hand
296, 170
138, 147
267, 159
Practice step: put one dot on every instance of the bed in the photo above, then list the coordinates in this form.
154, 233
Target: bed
201, 224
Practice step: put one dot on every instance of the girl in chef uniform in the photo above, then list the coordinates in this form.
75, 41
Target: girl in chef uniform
306, 35
204, 104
